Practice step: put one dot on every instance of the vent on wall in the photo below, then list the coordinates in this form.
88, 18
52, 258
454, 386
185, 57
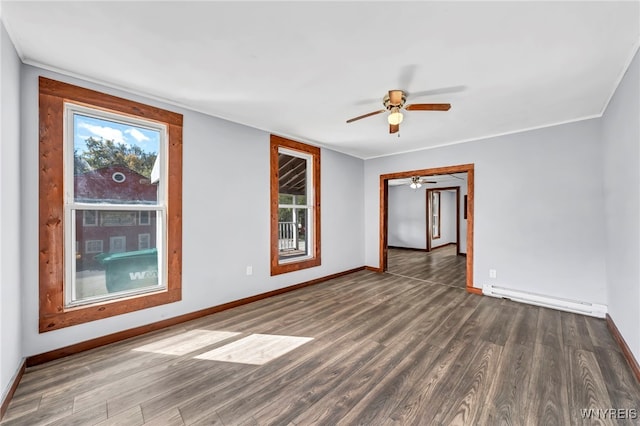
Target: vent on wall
591, 309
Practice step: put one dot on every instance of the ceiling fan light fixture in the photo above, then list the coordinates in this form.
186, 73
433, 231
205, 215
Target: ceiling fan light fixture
395, 117
415, 182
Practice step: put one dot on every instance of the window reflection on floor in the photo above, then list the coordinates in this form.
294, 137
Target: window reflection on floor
255, 349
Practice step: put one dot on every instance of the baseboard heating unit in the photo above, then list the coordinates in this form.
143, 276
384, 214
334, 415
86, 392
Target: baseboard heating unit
591, 309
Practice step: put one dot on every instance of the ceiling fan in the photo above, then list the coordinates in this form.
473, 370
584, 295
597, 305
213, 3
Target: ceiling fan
417, 181
393, 102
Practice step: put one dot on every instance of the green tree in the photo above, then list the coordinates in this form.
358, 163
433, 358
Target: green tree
103, 153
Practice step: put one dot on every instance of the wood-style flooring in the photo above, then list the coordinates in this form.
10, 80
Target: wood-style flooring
439, 266
380, 349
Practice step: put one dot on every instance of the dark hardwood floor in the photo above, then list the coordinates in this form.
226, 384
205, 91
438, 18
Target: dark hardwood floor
385, 350
439, 266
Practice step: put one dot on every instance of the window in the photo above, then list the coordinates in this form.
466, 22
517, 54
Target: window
144, 218
118, 177
144, 241
93, 246
120, 164
89, 218
435, 215
295, 205
118, 244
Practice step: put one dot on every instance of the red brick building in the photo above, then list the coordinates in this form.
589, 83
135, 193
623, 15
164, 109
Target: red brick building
106, 231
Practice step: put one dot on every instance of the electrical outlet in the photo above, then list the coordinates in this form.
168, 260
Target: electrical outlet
249, 270
493, 273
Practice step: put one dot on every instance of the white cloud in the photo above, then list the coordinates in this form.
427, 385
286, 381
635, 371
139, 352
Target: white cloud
137, 135
108, 133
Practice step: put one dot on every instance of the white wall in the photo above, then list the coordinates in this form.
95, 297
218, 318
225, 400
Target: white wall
621, 153
225, 218
407, 222
407, 226
10, 279
538, 204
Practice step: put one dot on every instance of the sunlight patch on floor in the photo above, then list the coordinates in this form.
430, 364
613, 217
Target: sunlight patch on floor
186, 342
256, 349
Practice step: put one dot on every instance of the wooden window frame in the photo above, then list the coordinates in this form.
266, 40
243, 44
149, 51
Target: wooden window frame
277, 267
53, 314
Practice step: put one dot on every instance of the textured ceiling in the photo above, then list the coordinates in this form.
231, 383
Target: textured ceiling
301, 69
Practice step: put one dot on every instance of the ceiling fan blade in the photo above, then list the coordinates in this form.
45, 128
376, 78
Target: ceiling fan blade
406, 75
428, 107
394, 128
351, 120
440, 91
395, 97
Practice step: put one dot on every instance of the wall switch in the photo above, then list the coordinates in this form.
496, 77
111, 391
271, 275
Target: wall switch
249, 270
492, 273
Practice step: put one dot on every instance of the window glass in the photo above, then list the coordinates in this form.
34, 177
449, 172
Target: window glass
293, 211
144, 241
144, 217
90, 218
113, 161
116, 169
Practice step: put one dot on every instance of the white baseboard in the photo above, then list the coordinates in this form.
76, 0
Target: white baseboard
585, 308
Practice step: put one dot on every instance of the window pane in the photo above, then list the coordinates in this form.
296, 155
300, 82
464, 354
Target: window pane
117, 255
293, 233
144, 241
90, 218
113, 162
285, 199
292, 175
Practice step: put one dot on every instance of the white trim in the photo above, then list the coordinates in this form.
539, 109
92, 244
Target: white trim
620, 77
585, 308
121, 177
116, 207
71, 206
309, 207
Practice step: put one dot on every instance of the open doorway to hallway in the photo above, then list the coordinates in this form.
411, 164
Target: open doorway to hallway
425, 225
429, 236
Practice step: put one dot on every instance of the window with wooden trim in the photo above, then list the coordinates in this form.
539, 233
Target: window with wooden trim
105, 163
295, 205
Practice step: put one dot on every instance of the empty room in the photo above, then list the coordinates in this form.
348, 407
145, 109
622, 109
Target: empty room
303, 213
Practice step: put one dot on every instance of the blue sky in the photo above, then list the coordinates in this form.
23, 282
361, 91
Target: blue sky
85, 127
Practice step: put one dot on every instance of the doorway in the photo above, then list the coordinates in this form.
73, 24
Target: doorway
384, 214
440, 212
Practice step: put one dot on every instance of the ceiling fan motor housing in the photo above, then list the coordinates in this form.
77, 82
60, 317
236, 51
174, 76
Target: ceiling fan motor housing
386, 101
